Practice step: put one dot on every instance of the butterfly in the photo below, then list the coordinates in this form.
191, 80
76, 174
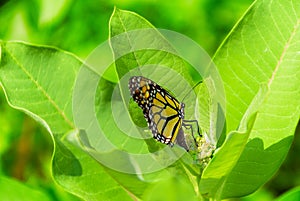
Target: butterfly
164, 113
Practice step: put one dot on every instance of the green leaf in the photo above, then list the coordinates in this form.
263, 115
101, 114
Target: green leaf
291, 195
262, 50
215, 175
139, 49
39, 81
14, 190
28, 76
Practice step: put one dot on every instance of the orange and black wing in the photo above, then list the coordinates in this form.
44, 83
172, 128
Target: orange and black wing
164, 114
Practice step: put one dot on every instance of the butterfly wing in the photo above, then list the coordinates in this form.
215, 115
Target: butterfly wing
163, 112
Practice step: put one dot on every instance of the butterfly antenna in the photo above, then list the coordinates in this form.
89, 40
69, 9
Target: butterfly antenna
192, 89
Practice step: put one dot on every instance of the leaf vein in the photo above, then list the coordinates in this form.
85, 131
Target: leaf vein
40, 88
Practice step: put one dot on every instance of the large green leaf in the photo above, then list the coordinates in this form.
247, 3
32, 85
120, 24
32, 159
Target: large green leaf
28, 77
262, 49
216, 173
131, 33
140, 49
39, 81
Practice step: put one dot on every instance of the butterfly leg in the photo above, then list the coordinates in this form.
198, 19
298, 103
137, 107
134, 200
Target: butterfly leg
189, 125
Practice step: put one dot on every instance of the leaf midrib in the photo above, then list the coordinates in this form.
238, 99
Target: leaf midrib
286, 47
40, 88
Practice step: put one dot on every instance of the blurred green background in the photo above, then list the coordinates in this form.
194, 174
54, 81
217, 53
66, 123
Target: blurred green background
78, 27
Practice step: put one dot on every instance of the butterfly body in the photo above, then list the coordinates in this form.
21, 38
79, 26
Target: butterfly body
164, 114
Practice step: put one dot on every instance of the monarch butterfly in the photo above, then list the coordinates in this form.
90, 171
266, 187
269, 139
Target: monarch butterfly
164, 114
